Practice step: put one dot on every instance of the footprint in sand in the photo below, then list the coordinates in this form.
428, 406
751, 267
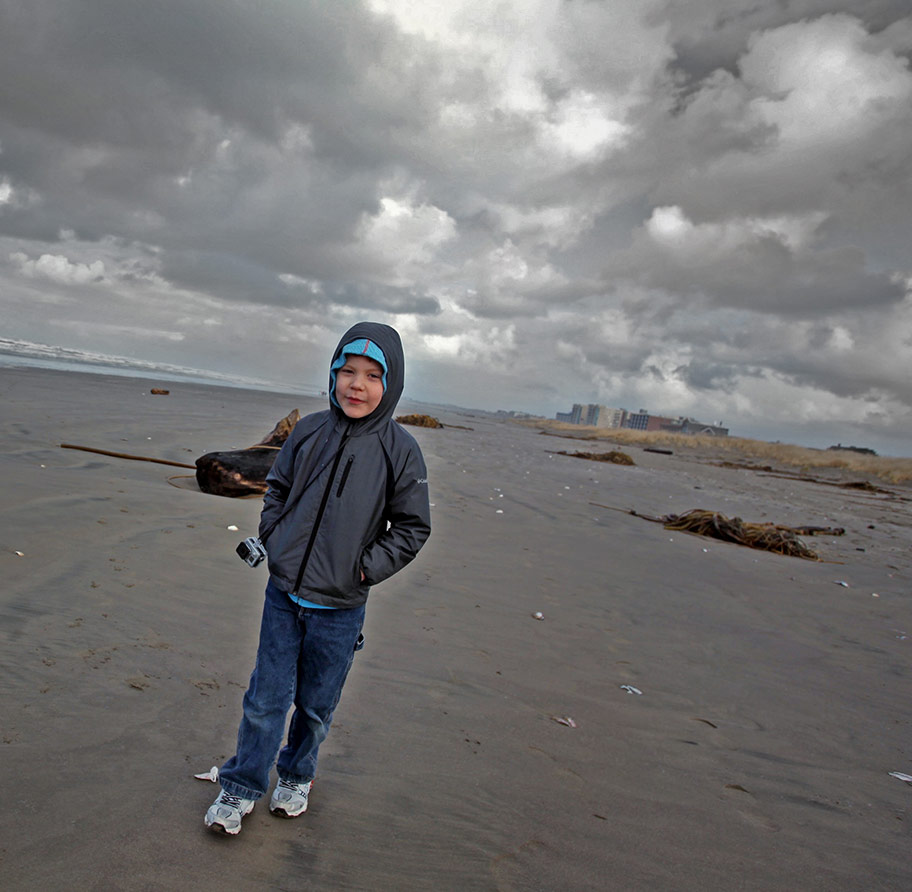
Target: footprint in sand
748, 810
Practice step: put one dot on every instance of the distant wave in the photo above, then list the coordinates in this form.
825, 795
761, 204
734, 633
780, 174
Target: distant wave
49, 356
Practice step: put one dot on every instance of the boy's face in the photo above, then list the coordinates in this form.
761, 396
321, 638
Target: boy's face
359, 386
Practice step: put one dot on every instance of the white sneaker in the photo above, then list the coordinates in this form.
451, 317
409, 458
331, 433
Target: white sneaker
225, 814
289, 799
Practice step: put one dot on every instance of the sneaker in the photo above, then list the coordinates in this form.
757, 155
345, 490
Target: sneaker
225, 814
289, 799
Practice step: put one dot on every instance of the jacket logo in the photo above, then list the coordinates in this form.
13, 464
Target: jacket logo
421, 480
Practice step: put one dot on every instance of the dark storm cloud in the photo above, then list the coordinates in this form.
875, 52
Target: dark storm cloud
106, 105
384, 299
131, 74
730, 346
710, 375
533, 301
234, 278
763, 275
842, 380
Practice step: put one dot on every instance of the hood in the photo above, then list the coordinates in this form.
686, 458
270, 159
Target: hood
387, 339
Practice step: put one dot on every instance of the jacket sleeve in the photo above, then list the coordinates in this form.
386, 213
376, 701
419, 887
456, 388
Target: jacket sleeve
279, 480
409, 514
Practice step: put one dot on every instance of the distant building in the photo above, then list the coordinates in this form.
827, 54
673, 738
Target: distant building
660, 423
713, 430
595, 415
691, 426
574, 416
637, 421
592, 415
571, 417
611, 417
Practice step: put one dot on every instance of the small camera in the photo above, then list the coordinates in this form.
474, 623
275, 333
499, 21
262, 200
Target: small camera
252, 551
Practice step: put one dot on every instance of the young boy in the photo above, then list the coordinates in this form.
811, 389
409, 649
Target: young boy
347, 507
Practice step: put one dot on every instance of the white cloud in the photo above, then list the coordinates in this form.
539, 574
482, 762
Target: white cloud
443, 345
817, 122
492, 347
405, 236
584, 128
15, 197
824, 82
433, 21
59, 269
841, 339
670, 227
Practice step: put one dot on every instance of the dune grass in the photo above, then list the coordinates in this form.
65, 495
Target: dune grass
889, 470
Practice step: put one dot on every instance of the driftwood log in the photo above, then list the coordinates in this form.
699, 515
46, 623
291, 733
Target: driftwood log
242, 472
279, 434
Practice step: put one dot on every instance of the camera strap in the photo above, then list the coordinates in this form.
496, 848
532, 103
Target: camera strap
290, 505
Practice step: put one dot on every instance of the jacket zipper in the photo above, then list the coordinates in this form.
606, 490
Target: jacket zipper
345, 470
322, 508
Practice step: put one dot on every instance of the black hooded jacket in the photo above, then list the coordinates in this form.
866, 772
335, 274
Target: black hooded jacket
347, 496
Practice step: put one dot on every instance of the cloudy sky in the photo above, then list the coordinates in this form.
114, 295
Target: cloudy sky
697, 207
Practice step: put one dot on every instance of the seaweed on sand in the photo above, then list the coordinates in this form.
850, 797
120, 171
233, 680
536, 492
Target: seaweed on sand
766, 536
614, 457
419, 420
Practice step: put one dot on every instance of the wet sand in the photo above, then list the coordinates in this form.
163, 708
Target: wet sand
774, 701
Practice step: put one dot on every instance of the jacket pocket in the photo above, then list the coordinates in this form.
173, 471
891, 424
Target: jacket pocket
345, 472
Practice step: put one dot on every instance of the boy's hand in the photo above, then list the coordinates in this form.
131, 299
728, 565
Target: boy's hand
362, 575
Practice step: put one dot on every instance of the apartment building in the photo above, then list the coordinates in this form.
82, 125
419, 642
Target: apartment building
595, 415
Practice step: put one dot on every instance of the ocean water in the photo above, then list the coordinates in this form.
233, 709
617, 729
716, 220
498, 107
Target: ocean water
23, 354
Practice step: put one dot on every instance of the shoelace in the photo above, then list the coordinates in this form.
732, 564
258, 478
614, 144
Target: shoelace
228, 799
288, 785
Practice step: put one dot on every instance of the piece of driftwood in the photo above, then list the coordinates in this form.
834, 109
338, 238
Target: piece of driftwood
863, 485
160, 461
615, 457
159, 391
860, 485
242, 472
419, 420
279, 434
657, 450
239, 472
743, 466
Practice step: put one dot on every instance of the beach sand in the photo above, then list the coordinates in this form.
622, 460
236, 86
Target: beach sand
775, 702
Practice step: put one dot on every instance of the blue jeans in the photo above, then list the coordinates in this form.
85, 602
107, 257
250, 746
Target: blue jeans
303, 658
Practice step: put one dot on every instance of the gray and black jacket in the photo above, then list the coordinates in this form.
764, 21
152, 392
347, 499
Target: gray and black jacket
347, 496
